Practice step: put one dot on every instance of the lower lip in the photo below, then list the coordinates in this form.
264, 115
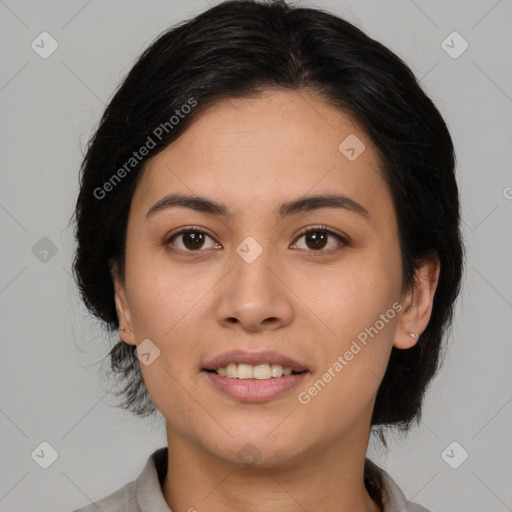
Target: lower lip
254, 390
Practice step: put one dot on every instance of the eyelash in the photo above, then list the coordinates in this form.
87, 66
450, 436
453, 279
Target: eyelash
305, 231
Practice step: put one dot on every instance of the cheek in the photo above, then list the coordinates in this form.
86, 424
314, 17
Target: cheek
345, 299
155, 308
160, 293
355, 305
168, 307
353, 365
162, 310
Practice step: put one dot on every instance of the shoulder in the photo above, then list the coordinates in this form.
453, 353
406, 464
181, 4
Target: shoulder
393, 498
144, 493
122, 500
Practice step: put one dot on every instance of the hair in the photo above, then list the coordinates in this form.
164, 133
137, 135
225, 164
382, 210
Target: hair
240, 49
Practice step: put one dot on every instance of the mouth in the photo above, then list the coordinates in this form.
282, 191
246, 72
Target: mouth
254, 376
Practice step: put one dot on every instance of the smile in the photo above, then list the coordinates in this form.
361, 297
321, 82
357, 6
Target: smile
263, 371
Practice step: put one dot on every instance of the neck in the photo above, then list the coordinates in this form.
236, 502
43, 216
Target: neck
330, 479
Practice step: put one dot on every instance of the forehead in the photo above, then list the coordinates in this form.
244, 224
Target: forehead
255, 151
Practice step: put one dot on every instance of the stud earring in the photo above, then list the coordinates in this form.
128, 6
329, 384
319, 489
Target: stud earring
413, 335
123, 329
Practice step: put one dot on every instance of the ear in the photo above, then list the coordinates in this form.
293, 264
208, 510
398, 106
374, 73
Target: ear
418, 304
122, 306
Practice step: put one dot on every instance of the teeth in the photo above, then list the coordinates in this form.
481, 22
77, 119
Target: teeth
247, 371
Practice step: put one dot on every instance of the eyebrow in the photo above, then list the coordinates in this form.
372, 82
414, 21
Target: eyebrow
303, 204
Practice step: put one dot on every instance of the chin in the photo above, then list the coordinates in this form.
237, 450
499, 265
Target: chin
257, 450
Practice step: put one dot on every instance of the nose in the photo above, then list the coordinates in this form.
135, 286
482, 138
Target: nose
254, 297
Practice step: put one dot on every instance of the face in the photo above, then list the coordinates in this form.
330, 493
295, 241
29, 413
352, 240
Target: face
243, 278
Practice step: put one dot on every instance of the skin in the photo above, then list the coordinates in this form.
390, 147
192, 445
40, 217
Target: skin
253, 155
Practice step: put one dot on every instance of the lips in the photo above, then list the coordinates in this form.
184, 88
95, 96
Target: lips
254, 358
253, 390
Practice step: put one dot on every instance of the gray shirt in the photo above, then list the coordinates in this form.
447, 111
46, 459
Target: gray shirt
145, 493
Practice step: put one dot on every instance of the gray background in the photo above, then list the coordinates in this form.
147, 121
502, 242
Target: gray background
52, 351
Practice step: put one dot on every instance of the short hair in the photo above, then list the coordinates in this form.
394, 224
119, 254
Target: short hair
239, 49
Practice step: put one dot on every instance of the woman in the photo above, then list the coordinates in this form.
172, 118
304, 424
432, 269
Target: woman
268, 213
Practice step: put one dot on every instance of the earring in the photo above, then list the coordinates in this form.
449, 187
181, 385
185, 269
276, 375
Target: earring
413, 335
123, 329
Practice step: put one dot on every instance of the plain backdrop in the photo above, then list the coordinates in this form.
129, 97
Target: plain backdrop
51, 350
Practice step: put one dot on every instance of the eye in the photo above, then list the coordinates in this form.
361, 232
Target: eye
192, 240
317, 238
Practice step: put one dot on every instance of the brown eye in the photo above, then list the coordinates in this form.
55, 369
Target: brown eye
190, 240
317, 239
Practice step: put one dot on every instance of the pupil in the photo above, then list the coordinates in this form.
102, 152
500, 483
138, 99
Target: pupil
318, 238
193, 239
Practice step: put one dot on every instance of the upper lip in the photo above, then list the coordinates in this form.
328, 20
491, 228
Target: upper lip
253, 358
